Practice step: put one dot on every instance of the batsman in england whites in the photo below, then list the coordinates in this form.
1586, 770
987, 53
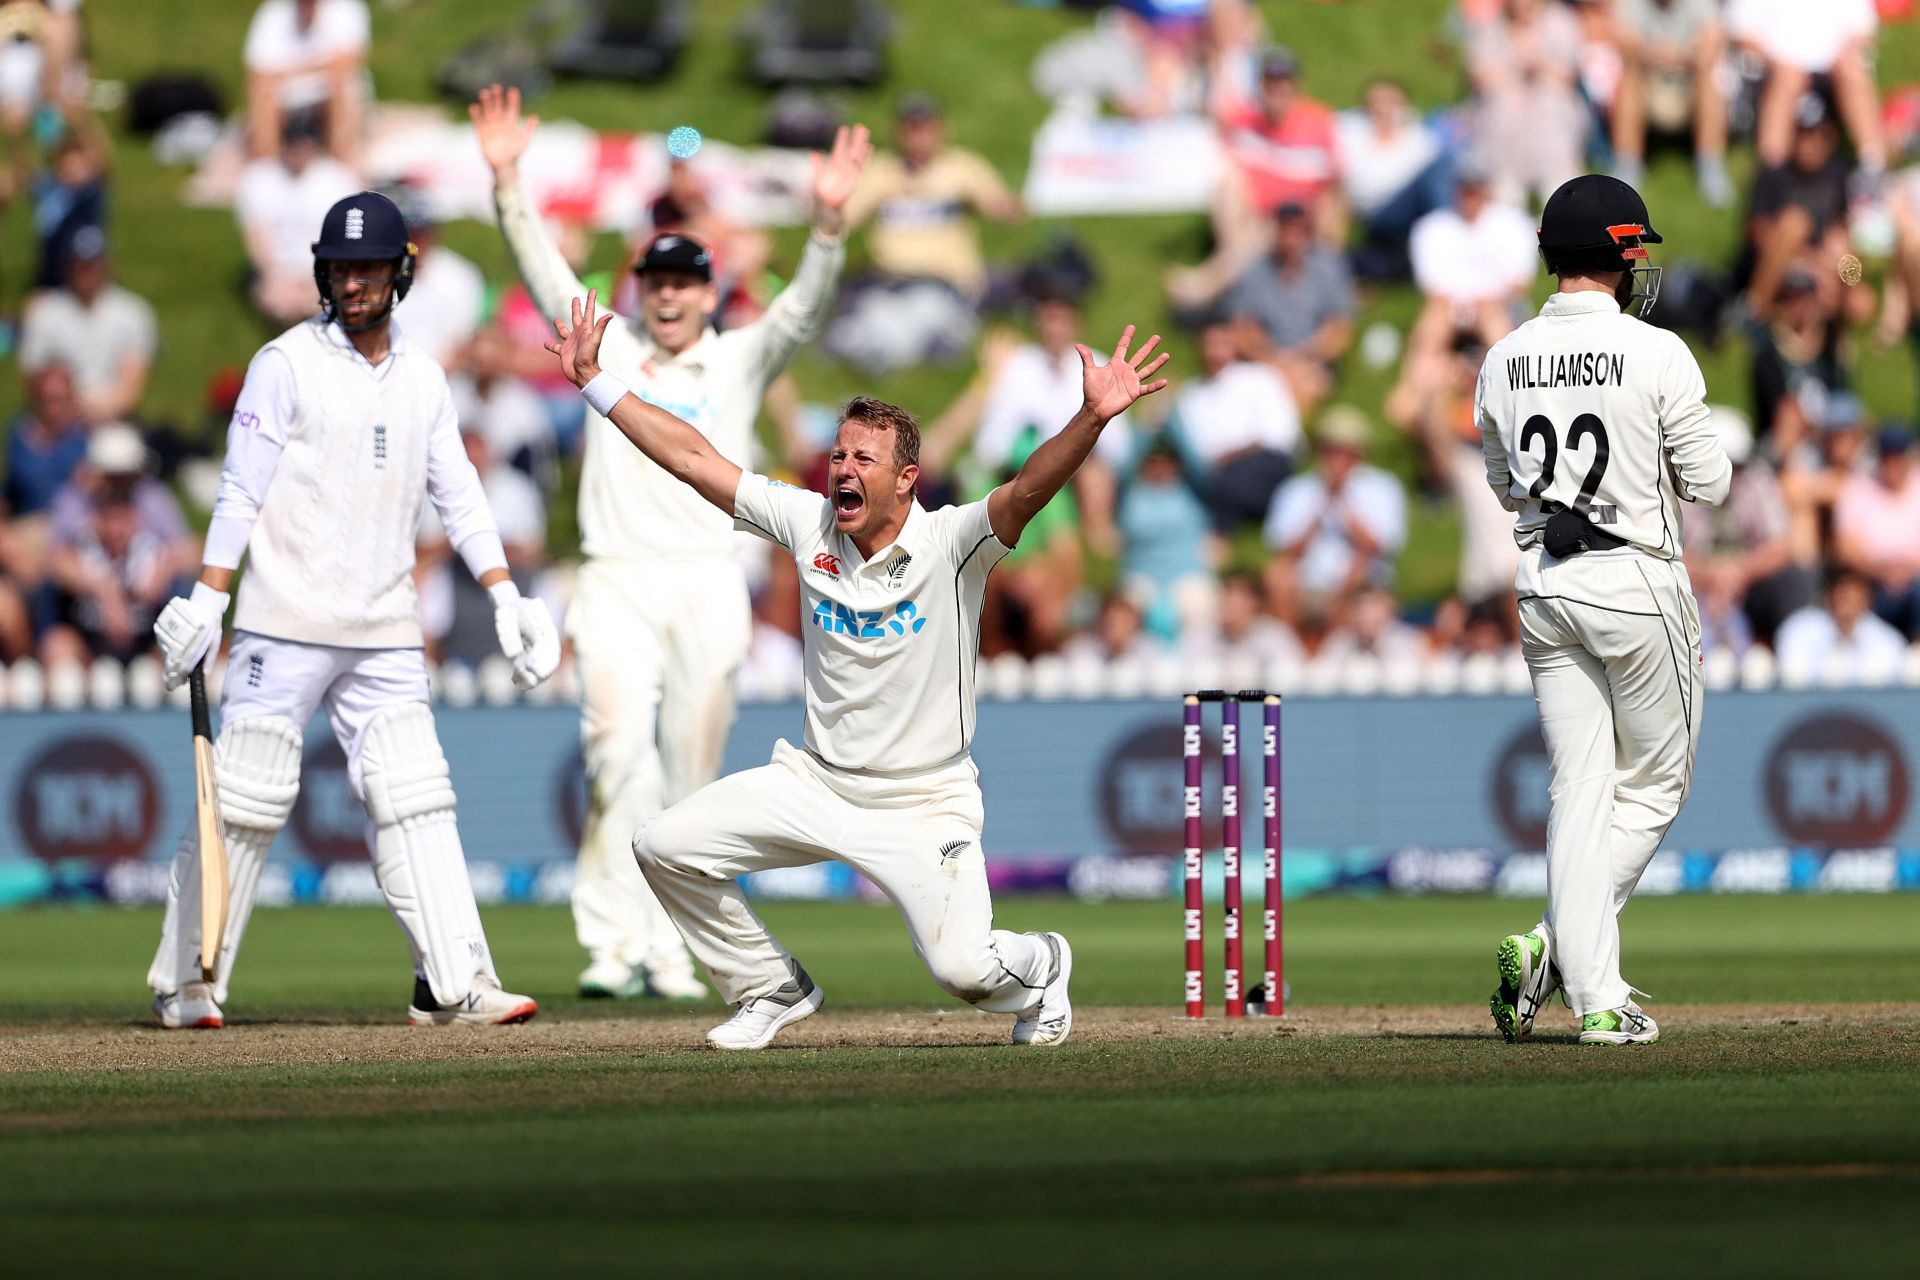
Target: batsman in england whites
341, 430
891, 594
1595, 429
660, 619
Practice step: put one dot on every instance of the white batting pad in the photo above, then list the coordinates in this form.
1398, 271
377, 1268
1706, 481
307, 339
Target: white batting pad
256, 765
416, 849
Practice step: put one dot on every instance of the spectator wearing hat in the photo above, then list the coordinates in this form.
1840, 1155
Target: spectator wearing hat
279, 204
1843, 640
1797, 213
70, 195
1528, 117
444, 308
1876, 529
1473, 262
104, 334
1293, 309
119, 550
306, 55
1393, 171
1237, 430
921, 201
1795, 367
1670, 52
1335, 529
1168, 547
1740, 554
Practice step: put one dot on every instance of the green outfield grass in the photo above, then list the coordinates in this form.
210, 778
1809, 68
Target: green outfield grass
1775, 1142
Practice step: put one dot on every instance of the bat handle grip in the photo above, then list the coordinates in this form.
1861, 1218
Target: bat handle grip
197, 692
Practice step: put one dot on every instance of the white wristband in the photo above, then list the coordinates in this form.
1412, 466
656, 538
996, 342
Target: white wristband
603, 393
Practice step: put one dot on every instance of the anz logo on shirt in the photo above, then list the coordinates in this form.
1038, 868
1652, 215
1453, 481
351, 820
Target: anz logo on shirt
868, 624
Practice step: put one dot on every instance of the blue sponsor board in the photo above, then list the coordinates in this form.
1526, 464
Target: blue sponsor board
1795, 791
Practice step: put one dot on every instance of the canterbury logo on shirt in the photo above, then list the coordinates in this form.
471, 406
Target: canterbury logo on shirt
868, 624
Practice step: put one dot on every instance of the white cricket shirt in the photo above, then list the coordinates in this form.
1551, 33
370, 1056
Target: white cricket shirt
890, 643
1585, 406
629, 508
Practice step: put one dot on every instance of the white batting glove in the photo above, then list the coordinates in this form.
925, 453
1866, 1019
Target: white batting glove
527, 634
187, 631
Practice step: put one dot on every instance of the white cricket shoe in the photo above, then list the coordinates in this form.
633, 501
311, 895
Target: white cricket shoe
1051, 1020
191, 1008
611, 980
486, 1005
760, 1019
676, 983
1629, 1024
1527, 981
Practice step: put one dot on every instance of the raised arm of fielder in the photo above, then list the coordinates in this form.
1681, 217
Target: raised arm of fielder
1106, 392
675, 446
791, 320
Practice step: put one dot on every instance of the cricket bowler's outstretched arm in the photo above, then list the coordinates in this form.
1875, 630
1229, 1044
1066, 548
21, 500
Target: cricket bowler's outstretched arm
1106, 392
504, 135
676, 446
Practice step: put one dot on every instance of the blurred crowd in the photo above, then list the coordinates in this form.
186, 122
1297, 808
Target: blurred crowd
1257, 516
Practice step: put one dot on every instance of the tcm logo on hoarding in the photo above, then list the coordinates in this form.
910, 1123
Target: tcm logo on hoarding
1837, 780
86, 797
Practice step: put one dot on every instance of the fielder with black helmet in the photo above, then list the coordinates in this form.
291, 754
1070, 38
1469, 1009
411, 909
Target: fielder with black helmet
1595, 428
341, 432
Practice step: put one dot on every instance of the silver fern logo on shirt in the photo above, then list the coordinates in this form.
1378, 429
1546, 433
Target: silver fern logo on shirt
897, 571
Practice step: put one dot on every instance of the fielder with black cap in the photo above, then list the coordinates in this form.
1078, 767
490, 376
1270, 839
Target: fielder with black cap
340, 431
1595, 428
660, 618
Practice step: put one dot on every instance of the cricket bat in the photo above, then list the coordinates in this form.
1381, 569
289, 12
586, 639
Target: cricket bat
213, 845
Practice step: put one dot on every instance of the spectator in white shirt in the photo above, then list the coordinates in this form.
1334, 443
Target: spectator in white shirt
306, 54
1394, 171
104, 334
1670, 55
1038, 389
1246, 635
1473, 262
1237, 430
1334, 530
1843, 641
1374, 629
279, 205
442, 311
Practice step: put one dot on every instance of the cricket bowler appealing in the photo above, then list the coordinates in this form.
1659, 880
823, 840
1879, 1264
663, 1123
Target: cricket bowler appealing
1595, 429
891, 596
660, 619
340, 431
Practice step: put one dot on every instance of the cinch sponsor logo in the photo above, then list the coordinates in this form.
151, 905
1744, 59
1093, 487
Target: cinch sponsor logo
827, 564
868, 624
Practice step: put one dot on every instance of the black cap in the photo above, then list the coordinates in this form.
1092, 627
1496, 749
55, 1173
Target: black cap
1291, 211
362, 227
918, 106
1278, 63
1596, 221
676, 253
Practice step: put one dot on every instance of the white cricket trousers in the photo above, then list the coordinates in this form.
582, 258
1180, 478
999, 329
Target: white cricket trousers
916, 837
656, 646
1613, 641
